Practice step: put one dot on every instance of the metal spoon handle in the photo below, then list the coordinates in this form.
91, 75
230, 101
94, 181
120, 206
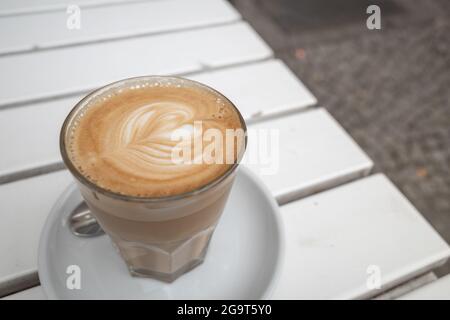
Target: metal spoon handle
83, 224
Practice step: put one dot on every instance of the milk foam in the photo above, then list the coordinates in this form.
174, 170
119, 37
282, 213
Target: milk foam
122, 140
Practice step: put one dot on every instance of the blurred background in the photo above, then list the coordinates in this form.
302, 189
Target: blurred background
388, 88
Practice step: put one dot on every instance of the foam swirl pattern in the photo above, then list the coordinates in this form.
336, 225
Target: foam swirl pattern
125, 139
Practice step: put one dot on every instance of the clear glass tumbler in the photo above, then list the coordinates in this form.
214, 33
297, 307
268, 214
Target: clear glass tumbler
161, 237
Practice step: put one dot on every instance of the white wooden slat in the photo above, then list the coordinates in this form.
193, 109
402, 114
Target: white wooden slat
30, 134
437, 290
35, 293
260, 90
25, 205
315, 153
338, 239
44, 74
49, 29
18, 7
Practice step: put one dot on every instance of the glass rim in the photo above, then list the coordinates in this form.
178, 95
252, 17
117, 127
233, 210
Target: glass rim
120, 196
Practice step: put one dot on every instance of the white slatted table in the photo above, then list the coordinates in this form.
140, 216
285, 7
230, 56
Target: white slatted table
332, 237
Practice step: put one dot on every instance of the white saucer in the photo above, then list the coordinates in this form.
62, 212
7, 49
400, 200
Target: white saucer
242, 262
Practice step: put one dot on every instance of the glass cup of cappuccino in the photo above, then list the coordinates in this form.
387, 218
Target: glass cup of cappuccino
155, 158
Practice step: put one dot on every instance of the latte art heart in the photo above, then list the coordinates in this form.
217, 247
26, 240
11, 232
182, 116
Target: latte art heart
127, 141
142, 140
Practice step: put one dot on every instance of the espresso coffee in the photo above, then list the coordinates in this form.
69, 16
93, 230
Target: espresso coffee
122, 144
124, 139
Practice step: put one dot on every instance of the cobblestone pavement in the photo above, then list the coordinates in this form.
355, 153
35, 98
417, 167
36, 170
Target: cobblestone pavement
388, 88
